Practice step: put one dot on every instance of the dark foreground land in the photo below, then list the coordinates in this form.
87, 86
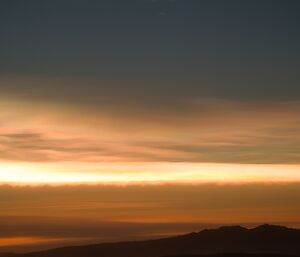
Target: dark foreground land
262, 241
234, 255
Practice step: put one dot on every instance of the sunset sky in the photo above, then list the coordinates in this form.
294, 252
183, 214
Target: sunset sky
136, 119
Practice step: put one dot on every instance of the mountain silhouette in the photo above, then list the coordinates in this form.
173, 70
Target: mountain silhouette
232, 239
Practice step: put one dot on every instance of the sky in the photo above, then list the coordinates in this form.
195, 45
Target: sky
146, 118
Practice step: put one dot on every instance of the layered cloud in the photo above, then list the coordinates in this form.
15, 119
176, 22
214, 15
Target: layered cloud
98, 127
193, 140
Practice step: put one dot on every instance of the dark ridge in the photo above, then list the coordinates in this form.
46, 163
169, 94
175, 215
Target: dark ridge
268, 227
226, 228
276, 240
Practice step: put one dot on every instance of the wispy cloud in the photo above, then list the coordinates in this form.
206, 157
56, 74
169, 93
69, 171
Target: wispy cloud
206, 131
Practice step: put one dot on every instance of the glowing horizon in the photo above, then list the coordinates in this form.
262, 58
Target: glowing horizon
118, 118
146, 173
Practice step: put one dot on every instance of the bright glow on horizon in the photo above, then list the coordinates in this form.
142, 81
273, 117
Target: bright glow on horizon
135, 173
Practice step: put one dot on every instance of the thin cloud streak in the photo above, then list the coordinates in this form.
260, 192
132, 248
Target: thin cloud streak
206, 131
146, 173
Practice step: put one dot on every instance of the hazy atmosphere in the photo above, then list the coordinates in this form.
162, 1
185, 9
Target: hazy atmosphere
139, 119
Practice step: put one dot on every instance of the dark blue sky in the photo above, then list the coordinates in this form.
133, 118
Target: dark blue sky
171, 48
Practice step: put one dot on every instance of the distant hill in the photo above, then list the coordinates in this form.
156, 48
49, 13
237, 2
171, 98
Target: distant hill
232, 239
